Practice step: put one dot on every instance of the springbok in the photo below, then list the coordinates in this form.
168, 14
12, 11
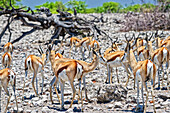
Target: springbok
69, 69
144, 71
34, 64
8, 79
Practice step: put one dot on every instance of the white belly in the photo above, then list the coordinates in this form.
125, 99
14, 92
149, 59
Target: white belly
115, 63
63, 75
79, 71
141, 57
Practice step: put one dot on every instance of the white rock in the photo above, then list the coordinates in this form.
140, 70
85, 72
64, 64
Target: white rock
28, 111
35, 99
110, 106
118, 105
45, 110
19, 109
157, 106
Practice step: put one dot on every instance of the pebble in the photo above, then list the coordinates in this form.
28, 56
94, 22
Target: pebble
110, 106
157, 106
118, 105
45, 110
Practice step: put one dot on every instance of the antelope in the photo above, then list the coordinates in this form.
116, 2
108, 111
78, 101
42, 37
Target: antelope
73, 42
34, 64
83, 43
58, 55
6, 60
93, 45
114, 59
159, 57
113, 48
144, 70
138, 42
7, 56
142, 51
166, 44
68, 69
8, 47
8, 79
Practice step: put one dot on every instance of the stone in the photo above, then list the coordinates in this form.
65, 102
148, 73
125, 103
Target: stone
45, 110
85, 103
165, 103
110, 106
35, 99
20, 110
69, 110
107, 93
118, 105
164, 97
157, 106
28, 111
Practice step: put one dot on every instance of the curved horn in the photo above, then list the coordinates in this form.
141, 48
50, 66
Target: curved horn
126, 38
115, 40
151, 36
62, 52
59, 47
133, 36
41, 49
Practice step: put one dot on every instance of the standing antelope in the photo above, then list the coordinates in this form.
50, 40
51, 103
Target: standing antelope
8, 47
34, 63
7, 56
68, 69
115, 59
93, 45
113, 48
73, 42
6, 60
144, 70
8, 79
83, 43
159, 57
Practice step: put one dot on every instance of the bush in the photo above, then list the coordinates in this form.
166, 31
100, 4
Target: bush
53, 6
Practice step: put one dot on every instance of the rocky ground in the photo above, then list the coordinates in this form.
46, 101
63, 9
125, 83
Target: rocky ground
95, 80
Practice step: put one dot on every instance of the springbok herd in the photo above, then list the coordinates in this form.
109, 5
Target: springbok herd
138, 59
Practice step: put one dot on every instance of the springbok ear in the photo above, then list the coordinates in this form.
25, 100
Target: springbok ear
119, 44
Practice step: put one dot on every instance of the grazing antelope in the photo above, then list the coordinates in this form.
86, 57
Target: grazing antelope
34, 63
6, 60
8, 47
8, 79
144, 70
66, 74
159, 57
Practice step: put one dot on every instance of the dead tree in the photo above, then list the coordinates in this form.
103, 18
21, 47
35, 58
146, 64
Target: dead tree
63, 23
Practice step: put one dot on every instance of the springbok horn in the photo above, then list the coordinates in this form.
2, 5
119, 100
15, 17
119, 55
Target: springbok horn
41, 49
